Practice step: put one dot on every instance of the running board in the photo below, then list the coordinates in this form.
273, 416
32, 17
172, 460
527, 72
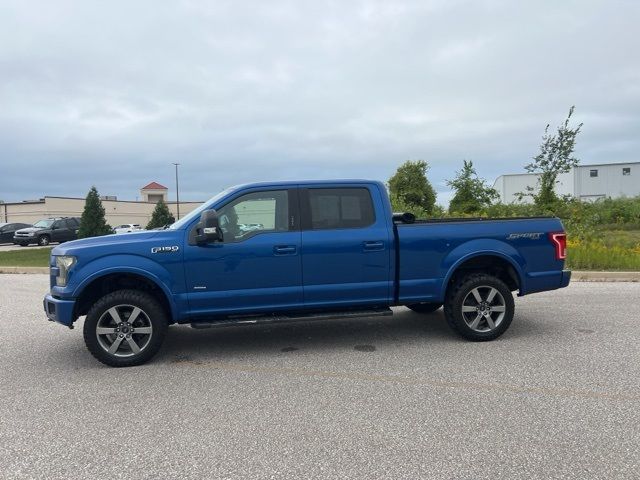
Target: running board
282, 318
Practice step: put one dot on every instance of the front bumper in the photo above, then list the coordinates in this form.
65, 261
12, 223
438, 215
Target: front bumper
58, 310
566, 278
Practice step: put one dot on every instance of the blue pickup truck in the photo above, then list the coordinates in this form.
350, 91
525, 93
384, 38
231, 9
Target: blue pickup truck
285, 251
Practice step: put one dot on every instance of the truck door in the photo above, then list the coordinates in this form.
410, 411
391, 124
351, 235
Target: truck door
257, 268
346, 247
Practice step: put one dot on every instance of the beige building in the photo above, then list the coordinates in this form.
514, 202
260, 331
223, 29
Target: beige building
117, 212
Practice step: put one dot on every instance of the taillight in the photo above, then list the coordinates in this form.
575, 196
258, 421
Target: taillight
559, 241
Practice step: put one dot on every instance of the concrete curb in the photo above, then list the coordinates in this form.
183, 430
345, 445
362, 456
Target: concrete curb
24, 270
576, 275
594, 276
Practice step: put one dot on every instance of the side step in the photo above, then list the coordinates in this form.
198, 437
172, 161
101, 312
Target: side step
282, 318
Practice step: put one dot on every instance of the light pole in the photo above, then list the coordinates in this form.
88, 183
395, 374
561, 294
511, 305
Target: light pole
177, 193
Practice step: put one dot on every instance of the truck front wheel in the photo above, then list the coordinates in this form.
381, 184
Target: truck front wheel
479, 307
125, 328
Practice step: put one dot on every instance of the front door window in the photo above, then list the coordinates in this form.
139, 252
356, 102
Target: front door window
254, 213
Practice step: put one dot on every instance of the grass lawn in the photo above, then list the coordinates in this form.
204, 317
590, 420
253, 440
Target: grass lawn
27, 257
610, 249
621, 238
595, 256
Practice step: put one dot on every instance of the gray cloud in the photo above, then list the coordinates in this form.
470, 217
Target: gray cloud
110, 94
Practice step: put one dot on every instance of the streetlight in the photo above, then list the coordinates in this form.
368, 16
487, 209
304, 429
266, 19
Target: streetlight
177, 193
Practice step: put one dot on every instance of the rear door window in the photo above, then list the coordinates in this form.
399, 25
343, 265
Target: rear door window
337, 208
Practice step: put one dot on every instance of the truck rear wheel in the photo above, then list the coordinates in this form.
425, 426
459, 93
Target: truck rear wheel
479, 307
424, 307
125, 328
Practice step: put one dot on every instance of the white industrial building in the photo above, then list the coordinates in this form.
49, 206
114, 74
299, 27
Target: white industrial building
586, 182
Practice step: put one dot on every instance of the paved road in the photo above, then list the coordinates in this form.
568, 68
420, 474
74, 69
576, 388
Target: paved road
557, 396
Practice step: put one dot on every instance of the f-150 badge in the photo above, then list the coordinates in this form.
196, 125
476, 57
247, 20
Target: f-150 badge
530, 236
173, 248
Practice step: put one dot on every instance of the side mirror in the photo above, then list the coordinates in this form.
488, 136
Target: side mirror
208, 229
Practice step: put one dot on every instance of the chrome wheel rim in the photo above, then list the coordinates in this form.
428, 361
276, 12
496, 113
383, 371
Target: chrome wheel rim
483, 309
124, 330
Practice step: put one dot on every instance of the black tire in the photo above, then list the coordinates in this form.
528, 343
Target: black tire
462, 321
44, 240
151, 312
424, 307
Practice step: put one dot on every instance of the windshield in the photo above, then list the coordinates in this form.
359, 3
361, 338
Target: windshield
43, 223
196, 213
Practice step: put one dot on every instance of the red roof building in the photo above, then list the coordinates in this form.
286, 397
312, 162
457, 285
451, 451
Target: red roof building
154, 192
154, 186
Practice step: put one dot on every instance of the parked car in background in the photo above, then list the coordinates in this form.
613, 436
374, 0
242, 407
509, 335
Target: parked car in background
8, 230
127, 228
43, 232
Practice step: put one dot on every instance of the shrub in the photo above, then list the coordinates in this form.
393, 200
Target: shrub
93, 223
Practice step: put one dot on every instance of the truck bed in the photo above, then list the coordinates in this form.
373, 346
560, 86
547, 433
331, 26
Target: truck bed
421, 221
428, 249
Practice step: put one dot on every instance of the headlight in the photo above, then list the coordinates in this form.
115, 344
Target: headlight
32, 234
64, 264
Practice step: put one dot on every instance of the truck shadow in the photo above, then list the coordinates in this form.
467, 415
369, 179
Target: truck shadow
365, 335
322, 335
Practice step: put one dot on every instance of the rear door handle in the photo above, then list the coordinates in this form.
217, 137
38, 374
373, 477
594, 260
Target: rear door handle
373, 246
284, 250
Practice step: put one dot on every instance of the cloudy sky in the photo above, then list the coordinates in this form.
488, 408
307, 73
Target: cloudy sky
111, 93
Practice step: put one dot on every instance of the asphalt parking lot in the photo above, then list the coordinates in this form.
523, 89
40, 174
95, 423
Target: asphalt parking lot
556, 397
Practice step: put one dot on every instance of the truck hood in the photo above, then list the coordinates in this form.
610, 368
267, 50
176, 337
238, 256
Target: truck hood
123, 243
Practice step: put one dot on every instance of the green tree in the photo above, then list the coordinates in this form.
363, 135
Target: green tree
555, 157
92, 222
472, 194
161, 216
410, 190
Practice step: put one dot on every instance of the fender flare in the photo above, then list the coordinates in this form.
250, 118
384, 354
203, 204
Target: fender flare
152, 277
509, 257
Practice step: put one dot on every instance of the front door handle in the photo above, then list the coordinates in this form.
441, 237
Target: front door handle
373, 246
284, 250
